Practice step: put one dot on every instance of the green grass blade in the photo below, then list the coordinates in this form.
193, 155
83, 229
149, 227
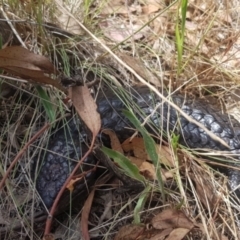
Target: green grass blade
46, 102
150, 147
179, 47
140, 205
184, 14
174, 142
179, 33
130, 168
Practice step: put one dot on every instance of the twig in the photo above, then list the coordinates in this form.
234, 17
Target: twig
19, 155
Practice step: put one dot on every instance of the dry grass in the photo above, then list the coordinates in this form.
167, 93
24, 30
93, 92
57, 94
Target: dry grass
124, 42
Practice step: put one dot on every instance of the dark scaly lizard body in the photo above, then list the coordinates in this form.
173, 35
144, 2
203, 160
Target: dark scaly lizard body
55, 169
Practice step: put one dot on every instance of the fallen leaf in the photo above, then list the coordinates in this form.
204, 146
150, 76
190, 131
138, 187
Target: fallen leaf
20, 56
171, 218
35, 68
162, 235
33, 76
136, 145
130, 232
70, 185
115, 143
148, 171
86, 108
137, 161
223, 237
165, 155
85, 215
166, 174
178, 234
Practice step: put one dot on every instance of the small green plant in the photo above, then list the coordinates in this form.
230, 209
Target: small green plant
150, 147
132, 171
180, 31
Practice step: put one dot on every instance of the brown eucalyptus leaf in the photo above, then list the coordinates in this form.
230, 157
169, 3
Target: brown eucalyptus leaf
171, 218
136, 145
178, 234
130, 232
115, 143
34, 76
86, 108
23, 57
161, 235
23, 63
